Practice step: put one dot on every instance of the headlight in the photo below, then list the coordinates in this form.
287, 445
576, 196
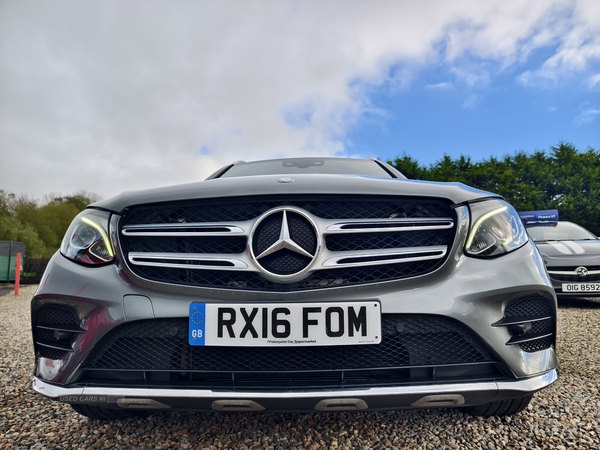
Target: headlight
86, 240
496, 229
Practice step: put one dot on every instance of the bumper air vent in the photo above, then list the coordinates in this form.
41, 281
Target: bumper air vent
531, 324
55, 330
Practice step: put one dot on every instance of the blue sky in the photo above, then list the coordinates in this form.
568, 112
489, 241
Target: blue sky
107, 96
438, 115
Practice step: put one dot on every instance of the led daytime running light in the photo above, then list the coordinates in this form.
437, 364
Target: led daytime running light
99, 229
482, 219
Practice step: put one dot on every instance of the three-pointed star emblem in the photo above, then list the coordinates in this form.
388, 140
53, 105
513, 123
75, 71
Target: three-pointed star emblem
284, 241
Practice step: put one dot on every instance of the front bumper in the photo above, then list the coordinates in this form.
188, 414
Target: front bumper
471, 292
397, 397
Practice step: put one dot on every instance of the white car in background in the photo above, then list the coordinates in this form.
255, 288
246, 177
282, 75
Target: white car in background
571, 253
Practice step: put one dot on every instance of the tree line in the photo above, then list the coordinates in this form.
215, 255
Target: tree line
562, 178
40, 225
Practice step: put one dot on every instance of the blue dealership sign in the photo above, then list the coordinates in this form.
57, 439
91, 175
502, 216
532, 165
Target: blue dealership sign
549, 215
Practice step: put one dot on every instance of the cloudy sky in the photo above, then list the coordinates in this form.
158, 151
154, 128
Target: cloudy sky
108, 96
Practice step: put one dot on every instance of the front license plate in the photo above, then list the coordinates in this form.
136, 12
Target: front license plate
285, 324
581, 287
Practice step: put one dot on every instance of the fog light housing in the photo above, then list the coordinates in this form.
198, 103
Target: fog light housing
520, 328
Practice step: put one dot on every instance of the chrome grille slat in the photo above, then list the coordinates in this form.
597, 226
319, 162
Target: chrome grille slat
158, 260
387, 257
388, 225
317, 279
183, 229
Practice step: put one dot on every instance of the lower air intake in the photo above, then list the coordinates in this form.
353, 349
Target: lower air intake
414, 349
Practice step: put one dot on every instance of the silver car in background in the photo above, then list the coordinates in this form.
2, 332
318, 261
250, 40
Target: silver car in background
570, 252
307, 284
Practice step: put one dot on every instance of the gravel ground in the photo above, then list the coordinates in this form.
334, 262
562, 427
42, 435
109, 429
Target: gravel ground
566, 415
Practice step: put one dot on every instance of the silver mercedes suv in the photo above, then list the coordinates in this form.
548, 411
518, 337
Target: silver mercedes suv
302, 284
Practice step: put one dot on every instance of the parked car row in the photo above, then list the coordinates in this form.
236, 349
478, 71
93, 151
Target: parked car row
570, 252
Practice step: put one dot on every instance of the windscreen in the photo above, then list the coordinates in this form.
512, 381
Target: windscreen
561, 231
288, 166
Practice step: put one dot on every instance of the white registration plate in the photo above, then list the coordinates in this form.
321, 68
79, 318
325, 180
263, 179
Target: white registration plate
285, 324
581, 287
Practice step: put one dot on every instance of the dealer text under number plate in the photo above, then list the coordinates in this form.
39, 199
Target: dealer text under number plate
285, 324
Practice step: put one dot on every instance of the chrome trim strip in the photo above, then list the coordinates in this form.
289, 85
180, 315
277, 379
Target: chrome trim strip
233, 263
525, 386
171, 229
387, 225
574, 273
66, 328
436, 252
56, 346
506, 321
527, 338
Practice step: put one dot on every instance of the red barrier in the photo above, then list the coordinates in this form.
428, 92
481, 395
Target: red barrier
17, 273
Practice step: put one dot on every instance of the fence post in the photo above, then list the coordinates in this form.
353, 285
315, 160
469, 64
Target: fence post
9, 258
17, 273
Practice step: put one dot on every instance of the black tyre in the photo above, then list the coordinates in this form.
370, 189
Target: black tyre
97, 412
501, 408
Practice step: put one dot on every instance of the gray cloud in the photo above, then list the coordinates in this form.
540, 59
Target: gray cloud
107, 96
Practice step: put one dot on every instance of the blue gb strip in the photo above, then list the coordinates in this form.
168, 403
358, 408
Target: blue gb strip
549, 215
197, 326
